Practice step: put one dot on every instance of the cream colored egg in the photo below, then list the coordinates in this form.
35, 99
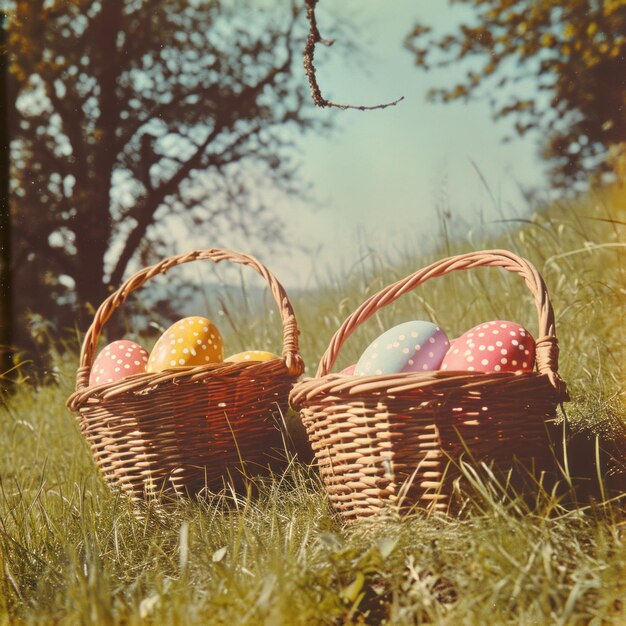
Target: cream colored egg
189, 342
251, 355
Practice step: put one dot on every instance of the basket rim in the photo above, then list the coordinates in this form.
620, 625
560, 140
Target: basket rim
351, 388
147, 382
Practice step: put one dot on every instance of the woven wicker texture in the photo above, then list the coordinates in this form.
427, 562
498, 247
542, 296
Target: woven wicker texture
186, 429
387, 441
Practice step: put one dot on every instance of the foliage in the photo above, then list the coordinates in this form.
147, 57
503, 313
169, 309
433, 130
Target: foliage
131, 118
576, 52
72, 551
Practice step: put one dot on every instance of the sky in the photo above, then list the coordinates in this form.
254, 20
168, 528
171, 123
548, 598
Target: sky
381, 177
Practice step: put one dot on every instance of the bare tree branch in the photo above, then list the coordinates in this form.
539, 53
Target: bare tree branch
145, 214
313, 38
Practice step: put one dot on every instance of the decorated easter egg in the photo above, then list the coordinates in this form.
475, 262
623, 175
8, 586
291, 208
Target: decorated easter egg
348, 371
498, 346
189, 342
410, 347
251, 355
118, 360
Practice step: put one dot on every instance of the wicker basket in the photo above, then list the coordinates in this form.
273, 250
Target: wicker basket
183, 430
387, 442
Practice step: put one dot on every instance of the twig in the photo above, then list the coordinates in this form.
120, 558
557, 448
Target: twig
313, 38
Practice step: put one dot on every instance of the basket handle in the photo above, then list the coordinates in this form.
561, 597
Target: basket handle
547, 349
290, 353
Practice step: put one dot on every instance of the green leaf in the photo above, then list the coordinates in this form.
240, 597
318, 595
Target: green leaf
350, 593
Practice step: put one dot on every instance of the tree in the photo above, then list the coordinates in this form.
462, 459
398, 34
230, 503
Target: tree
574, 50
6, 334
131, 113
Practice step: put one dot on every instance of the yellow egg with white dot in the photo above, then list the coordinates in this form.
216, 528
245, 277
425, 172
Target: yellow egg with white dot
251, 355
189, 342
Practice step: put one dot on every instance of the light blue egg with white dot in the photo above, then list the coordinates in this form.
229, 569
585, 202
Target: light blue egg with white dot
416, 346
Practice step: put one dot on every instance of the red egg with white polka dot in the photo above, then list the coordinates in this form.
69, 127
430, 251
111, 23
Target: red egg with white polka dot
118, 360
498, 346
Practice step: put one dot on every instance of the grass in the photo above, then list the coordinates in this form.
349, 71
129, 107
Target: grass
74, 552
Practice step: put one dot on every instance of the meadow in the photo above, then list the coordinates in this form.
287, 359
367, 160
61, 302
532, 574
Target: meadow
72, 551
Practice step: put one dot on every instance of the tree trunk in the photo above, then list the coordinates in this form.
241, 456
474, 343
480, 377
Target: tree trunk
6, 313
91, 246
94, 236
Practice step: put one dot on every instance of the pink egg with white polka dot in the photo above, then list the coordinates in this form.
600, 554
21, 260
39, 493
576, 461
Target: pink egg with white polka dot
498, 346
118, 360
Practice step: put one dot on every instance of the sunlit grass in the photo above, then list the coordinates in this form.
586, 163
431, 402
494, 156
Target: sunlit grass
72, 551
